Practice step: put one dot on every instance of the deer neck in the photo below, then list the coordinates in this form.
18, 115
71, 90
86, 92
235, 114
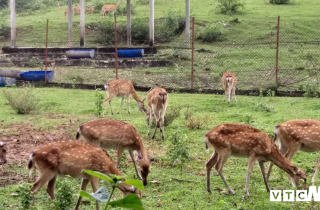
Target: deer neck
136, 97
280, 160
143, 152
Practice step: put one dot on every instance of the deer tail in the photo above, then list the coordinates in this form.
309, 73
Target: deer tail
276, 132
207, 143
163, 96
31, 164
78, 132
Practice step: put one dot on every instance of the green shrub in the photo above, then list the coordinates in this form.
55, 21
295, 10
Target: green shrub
169, 27
24, 192
98, 101
3, 3
63, 195
142, 2
211, 33
21, 100
194, 122
4, 30
35, 62
172, 113
279, 1
311, 92
140, 30
228, 7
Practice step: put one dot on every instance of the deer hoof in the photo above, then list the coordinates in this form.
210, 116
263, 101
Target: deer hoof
209, 191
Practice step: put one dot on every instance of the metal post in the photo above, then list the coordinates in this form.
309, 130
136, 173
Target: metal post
192, 53
46, 58
277, 51
187, 23
128, 23
70, 15
151, 23
82, 22
13, 22
116, 45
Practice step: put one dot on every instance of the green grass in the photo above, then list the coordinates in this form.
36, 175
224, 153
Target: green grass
261, 112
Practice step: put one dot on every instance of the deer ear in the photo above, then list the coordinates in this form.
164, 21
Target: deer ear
143, 99
133, 189
2, 143
295, 170
152, 159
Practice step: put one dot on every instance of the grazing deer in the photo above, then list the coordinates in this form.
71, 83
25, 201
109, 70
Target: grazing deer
3, 153
65, 14
157, 100
58, 5
122, 88
109, 8
245, 141
91, 10
229, 82
70, 158
298, 134
76, 10
111, 133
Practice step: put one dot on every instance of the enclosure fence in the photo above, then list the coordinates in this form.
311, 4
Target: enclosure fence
278, 62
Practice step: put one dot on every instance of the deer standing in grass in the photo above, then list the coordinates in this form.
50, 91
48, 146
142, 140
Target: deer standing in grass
111, 133
299, 134
122, 88
109, 8
229, 82
65, 14
3, 153
233, 139
58, 4
76, 10
91, 10
70, 158
157, 100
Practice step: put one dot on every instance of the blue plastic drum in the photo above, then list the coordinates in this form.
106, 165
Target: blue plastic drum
36, 75
7, 81
130, 53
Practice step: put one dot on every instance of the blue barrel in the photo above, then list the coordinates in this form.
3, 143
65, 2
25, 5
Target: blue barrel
7, 81
130, 53
80, 53
36, 75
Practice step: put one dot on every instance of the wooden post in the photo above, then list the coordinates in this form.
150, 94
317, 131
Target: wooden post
70, 15
187, 29
192, 53
277, 51
46, 57
151, 23
116, 45
128, 23
13, 23
82, 22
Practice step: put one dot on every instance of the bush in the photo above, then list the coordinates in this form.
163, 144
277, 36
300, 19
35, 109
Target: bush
63, 194
24, 192
172, 113
198, 122
4, 30
228, 7
140, 30
169, 27
98, 101
211, 33
21, 99
279, 1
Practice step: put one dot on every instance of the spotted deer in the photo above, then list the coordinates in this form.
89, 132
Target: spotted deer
65, 14
298, 134
70, 158
58, 5
157, 100
109, 8
229, 82
76, 10
3, 153
91, 10
233, 139
122, 88
111, 133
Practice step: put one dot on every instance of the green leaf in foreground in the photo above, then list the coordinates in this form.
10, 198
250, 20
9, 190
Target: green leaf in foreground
136, 183
99, 175
131, 201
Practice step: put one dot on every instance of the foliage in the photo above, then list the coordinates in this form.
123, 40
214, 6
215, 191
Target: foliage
98, 101
197, 122
169, 27
25, 195
4, 30
130, 201
3, 3
172, 113
22, 100
142, 2
63, 195
264, 108
229, 7
311, 92
188, 113
140, 30
178, 151
211, 33
279, 1
35, 62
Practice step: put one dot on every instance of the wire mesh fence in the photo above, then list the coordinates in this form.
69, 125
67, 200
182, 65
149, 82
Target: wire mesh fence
254, 63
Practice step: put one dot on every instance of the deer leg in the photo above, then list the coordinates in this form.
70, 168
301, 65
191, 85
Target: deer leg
283, 149
120, 105
150, 121
234, 93
94, 183
213, 160
84, 183
162, 126
42, 180
120, 151
157, 123
109, 100
128, 102
134, 163
229, 94
251, 162
223, 156
289, 155
262, 168
316, 172
50, 187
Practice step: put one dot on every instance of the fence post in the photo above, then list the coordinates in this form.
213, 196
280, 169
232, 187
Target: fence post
277, 51
192, 53
116, 45
13, 23
46, 58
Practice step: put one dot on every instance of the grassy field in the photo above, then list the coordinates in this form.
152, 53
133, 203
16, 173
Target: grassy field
61, 111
